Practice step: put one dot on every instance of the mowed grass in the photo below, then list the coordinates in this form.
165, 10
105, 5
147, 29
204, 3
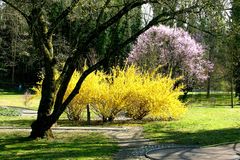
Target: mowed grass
199, 126
216, 99
77, 146
16, 121
17, 100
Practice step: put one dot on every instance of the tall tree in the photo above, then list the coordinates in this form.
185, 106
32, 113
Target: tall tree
15, 62
236, 45
42, 29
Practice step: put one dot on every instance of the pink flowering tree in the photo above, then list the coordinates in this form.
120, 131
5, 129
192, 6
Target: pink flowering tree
174, 50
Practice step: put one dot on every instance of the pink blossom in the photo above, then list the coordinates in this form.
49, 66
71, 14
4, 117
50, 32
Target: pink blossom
172, 48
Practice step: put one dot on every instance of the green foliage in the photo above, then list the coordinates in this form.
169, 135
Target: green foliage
128, 90
235, 45
84, 146
6, 111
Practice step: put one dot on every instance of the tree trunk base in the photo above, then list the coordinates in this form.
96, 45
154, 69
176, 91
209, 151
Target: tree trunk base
41, 130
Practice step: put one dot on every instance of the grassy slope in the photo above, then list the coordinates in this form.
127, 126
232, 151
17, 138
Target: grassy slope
200, 125
80, 146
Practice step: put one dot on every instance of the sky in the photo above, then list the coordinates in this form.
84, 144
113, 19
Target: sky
147, 14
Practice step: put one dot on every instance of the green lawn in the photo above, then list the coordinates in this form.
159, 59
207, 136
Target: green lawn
81, 146
16, 121
199, 126
216, 99
17, 100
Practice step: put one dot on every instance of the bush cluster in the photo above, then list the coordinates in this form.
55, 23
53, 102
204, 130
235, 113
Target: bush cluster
127, 90
7, 111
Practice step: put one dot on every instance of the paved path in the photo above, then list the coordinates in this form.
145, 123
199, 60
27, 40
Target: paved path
69, 129
133, 144
27, 112
223, 152
135, 147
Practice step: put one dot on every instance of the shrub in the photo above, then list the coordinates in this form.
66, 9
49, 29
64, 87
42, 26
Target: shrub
137, 106
152, 95
138, 94
31, 94
75, 109
6, 111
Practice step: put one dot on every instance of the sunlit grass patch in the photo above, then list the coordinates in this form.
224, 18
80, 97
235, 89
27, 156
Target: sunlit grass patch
15, 145
17, 100
201, 126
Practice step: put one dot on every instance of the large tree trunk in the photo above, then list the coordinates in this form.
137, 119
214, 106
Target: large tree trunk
43, 43
41, 127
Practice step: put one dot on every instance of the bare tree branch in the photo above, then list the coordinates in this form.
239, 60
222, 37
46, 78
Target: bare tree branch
155, 21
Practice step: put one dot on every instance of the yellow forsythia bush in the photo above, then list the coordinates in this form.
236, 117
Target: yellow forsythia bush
78, 104
137, 94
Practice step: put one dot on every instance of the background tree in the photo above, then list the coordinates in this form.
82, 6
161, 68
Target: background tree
17, 66
235, 45
208, 27
174, 51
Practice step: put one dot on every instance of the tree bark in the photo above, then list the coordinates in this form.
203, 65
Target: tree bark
43, 43
41, 128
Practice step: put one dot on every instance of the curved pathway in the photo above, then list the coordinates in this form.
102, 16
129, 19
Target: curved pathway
132, 144
221, 152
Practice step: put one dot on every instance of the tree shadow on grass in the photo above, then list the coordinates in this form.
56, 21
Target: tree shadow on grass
66, 146
200, 138
17, 123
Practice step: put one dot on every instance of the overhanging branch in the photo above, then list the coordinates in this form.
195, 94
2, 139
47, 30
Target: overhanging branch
156, 20
96, 32
17, 9
79, 84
